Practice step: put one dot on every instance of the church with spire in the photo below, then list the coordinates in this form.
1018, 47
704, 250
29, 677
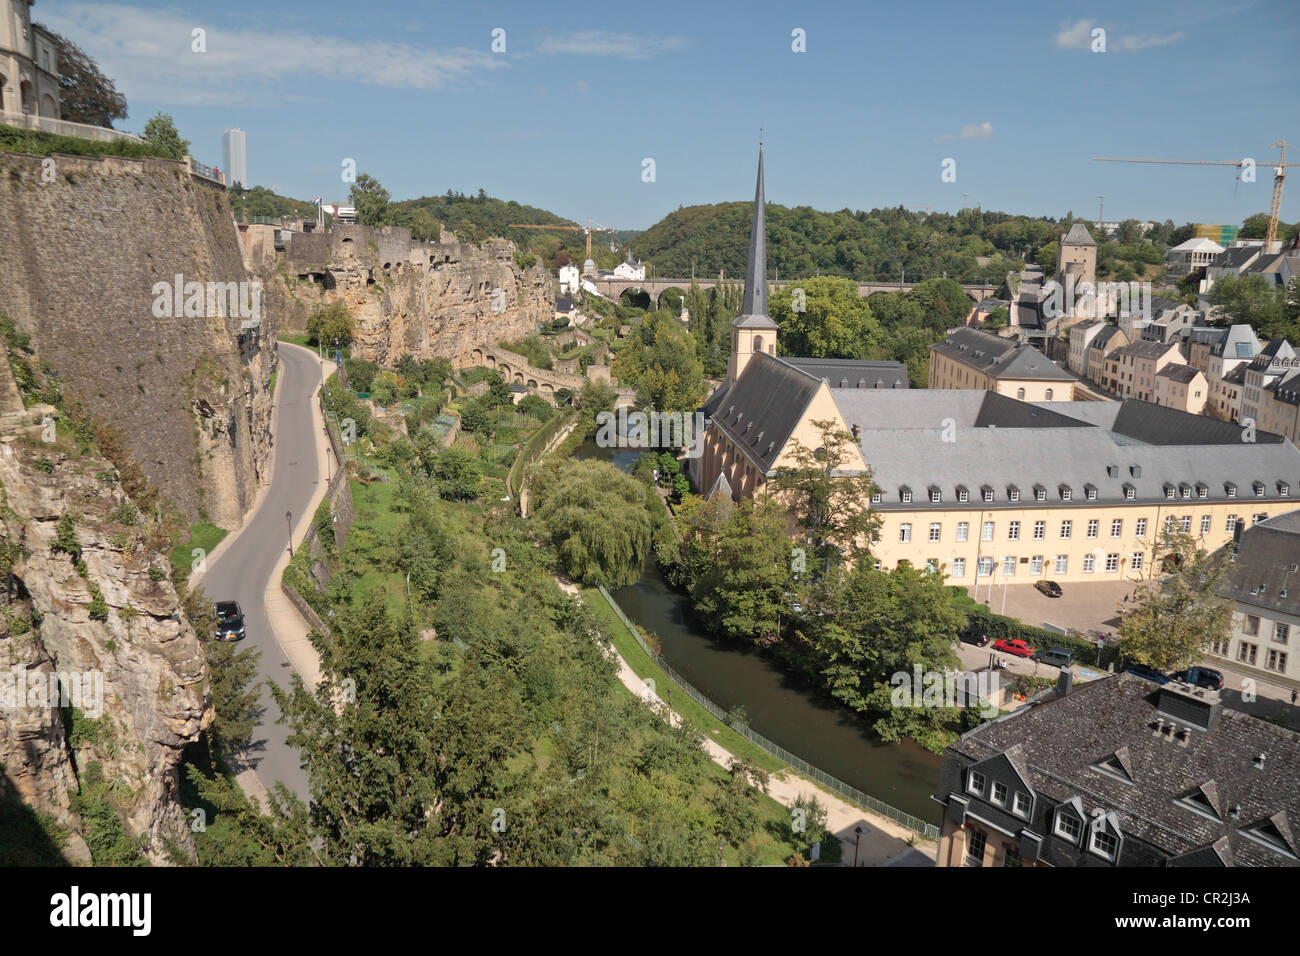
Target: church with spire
978, 485
768, 400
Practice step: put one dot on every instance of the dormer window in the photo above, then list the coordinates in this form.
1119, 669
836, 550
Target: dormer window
1040, 493
1230, 489
906, 494
1020, 804
963, 494
877, 497
1202, 490
1090, 491
1135, 471
1283, 489
935, 495
976, 783
1067, 825
1129, 492
1259, 488
1185, 490
1065, 492
986, 492
1103, 841
1013, 493
1170, 490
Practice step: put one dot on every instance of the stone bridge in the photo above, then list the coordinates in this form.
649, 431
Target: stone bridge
517, 371
655, 288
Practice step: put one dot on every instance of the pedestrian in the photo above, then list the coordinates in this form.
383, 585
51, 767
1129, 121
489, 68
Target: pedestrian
1294, 694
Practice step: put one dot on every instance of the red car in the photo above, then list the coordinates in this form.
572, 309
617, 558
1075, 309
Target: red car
1014, 646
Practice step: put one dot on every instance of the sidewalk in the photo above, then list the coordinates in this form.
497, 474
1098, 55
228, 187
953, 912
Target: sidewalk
883, 842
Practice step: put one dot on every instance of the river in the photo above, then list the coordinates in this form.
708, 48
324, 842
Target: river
782, 709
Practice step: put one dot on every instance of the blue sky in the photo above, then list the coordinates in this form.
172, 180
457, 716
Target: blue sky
564, 118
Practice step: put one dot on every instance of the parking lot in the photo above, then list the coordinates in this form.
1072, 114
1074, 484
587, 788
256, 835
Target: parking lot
1083, 608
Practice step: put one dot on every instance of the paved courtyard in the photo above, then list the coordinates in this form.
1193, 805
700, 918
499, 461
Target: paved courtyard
1082, 608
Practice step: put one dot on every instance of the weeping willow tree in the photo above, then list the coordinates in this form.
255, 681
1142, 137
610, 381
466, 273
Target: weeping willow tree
595, 516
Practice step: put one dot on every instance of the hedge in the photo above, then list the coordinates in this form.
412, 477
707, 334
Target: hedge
982, 620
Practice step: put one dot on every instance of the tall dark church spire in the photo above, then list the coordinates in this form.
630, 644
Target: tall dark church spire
753, 312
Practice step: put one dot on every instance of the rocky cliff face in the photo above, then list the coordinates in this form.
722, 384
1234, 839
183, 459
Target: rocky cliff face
408, 298
84, 246
135, 643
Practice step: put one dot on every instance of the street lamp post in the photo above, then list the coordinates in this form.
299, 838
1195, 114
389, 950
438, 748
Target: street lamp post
288, 519
857, 840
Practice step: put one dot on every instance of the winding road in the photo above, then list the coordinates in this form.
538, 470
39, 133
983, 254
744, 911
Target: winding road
242, 571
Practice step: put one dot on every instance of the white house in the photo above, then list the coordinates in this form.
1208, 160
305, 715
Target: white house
569, 279
626, 270
1186, 257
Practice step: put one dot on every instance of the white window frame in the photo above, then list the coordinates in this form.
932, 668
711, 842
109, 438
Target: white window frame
963, 530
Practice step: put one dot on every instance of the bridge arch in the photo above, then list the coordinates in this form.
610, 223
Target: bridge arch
635, 297
670, 298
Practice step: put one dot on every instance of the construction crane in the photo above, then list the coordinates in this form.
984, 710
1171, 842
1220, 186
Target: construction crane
587, 229
1279, 177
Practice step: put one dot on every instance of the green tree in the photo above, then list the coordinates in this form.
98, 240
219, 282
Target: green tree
595, 516
741, 588
1250, 300
457, 474
330, 324
365, 741
370, 199
1177, 616
161, 131
830, 506
825, 318
85, 94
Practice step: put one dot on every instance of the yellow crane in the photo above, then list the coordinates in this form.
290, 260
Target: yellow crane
587, 229
1279, 177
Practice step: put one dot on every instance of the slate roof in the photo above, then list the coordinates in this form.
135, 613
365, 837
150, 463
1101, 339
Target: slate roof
1153, 424
1143, 349
1261, 572
999, 357
753, 308
1235, 258
1060, 741
1183, 374
1238, 342
1078, 236
1100, 340
1286, 388
763, 406
853, 373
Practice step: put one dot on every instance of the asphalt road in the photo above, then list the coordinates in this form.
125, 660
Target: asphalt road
242, 572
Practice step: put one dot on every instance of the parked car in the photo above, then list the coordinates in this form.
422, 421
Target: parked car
1050, 588
1202, 677
230, 621
1014, 646
1150, 673
978, 638
1056, 656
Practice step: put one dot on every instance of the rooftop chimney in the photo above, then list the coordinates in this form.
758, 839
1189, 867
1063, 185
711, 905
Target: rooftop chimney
1064, 682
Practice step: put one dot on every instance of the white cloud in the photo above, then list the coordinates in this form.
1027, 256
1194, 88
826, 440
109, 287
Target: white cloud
628, 46
1075, 36
1137, 41
1078, 36
970, 131
148, 55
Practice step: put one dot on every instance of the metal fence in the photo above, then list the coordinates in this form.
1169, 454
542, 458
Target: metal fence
852, 794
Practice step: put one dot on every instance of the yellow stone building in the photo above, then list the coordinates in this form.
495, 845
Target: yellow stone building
969, 358
984, 486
